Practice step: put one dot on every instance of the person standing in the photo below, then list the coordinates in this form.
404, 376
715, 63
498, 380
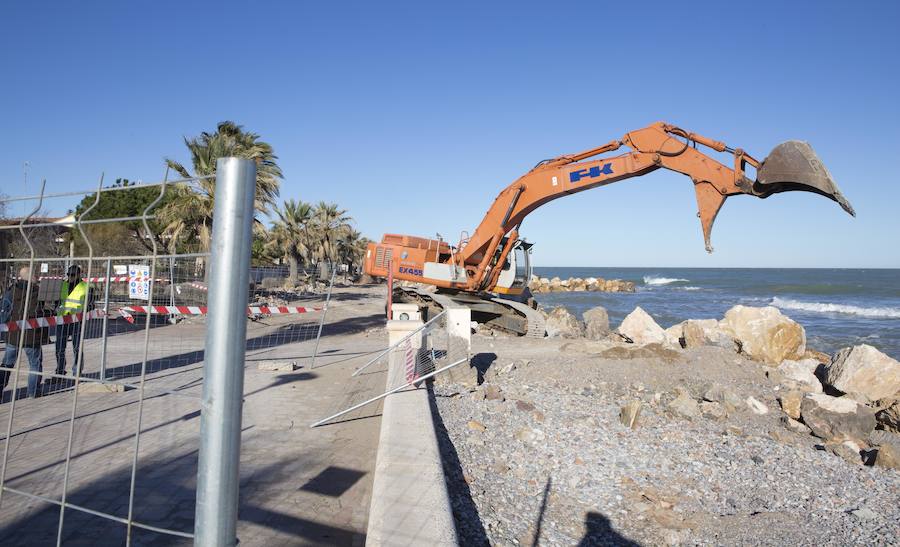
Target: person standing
17, 300
74, 293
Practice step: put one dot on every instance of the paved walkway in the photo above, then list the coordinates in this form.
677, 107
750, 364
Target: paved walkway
298, 485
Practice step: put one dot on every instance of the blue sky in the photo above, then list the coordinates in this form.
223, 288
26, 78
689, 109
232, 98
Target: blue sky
414, 116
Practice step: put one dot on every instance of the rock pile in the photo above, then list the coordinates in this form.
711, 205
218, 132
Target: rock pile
574, 284
708, 432
838, 399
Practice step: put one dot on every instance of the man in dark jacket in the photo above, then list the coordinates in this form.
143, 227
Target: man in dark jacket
12, 307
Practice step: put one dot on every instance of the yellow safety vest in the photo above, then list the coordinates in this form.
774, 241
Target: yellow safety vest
74, 302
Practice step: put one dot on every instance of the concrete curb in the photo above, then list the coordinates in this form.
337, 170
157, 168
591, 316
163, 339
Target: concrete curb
410, 504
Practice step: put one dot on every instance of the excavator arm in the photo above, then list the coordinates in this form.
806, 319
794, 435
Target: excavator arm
790, 166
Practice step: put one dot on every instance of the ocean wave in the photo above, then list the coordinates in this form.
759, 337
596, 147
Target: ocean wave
653, 280
822, 307
689, 288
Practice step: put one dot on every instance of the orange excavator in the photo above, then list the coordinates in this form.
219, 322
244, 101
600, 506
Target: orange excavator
489, 271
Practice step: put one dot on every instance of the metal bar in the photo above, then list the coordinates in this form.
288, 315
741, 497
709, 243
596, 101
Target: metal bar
100, 514
400, 341
79, 355
395, 390
95, 221
390, 289
171, 281
110, 189
223, 371
141, 392
322, 319
105, 320
15, 369
116, 257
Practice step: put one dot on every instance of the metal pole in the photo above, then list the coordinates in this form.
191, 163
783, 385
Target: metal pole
390, 287
223, 367
105, 320
322, 320
171, 284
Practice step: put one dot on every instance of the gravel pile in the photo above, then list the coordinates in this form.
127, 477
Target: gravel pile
540, 452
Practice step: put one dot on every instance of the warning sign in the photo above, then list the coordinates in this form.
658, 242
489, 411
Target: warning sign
139, 281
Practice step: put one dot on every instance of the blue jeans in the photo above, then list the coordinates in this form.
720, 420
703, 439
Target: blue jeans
62, 333
35, 366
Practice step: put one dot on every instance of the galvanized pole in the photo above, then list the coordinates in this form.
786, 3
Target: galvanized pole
105, 319
223, 368
171, 284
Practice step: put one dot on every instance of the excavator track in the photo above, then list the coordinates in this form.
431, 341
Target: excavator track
509, 315
537, 327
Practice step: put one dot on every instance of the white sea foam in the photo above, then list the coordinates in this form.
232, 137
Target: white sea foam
690, 288
822, 307
653, 280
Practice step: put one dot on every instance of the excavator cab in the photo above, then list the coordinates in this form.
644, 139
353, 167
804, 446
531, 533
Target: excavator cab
516, 271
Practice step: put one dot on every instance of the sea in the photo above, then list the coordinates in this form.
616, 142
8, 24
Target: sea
837, 307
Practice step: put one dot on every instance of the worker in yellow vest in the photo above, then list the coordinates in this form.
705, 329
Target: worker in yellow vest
74, 294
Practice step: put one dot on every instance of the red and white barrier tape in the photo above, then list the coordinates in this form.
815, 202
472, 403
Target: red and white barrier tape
410, 362
201, 310
39, 322
126, 312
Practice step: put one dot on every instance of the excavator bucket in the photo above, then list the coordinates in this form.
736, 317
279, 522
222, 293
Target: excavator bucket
794, 166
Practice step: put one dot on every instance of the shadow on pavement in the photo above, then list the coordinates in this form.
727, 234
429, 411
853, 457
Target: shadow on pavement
333, 481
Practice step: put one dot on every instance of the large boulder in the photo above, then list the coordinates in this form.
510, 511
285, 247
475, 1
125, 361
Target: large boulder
675, 334
836, 418
791, 402
705, 332
889, 416
765, 333
596, 323
864, 370
641, 329
561, 323
800, 375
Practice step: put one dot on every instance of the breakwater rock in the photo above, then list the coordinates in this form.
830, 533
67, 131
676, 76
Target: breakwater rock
573, 284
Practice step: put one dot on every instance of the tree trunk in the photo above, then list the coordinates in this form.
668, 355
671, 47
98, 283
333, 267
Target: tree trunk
292, 275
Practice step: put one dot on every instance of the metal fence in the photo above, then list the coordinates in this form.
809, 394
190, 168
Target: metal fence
418, 356
89, 452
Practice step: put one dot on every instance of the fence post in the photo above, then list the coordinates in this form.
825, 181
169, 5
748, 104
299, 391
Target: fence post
390, 287
322, 319
105, 319
223, 367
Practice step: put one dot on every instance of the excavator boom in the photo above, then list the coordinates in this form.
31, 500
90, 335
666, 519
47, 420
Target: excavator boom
478, 263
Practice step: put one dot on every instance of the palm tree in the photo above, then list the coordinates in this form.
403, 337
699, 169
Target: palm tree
291, 234
352, 249
189, 217
329, 224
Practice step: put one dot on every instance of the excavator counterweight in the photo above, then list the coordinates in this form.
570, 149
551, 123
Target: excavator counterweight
494, 263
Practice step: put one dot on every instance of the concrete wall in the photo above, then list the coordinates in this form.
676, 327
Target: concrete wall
410, 504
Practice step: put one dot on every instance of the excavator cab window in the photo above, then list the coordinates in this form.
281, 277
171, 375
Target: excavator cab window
523, 265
